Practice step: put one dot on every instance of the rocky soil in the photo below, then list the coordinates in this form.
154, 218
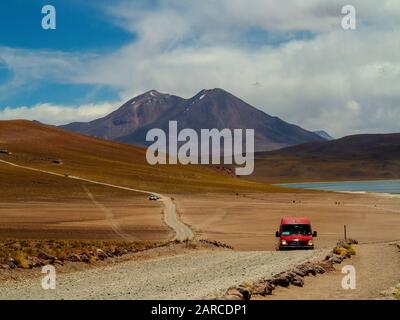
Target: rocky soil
294, 276
195, 275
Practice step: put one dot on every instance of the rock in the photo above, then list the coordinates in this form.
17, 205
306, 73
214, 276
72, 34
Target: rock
282, 280
330, 255
74, 258
269, 287
245, 293
342, 244
308, 269
85, 258
336, 259
11, 263
352, 241
234, 292
299, 272
328, 266
101, 254
34, 262
45, 256
260, 289
231, 297
58, 262
110, 254
319, 269
297, 281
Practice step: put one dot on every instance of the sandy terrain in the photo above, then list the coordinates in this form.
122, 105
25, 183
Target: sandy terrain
249, 222
119, 227
194, 275
36, 205
377, 269
82, 220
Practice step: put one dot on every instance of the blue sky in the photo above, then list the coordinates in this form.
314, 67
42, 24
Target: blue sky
81, 26
292, 60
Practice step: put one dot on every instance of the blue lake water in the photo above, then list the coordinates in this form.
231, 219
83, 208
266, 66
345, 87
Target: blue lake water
380, 186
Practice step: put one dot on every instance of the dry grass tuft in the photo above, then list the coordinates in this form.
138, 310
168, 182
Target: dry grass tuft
27, 254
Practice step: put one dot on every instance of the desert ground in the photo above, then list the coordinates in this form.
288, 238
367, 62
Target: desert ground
176, 274
249, 221
98, 190
377, 270
62, 208
245, 221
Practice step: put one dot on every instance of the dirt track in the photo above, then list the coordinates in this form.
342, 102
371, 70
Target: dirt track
182, 231
195, 275
377, 269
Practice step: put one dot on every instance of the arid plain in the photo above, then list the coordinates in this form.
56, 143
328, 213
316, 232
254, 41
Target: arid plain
73, 192
249, 221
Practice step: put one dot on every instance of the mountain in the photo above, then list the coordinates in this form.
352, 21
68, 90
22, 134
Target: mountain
208, 109
150, 107
357, 157
324, 134
36, 145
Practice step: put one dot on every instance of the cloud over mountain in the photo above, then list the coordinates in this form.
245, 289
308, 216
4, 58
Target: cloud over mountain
293, 60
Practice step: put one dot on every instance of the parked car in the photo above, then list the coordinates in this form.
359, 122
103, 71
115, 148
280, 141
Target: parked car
295, 233
154, 197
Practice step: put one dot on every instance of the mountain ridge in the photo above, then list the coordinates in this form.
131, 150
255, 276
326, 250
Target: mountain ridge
208, 109
355, 157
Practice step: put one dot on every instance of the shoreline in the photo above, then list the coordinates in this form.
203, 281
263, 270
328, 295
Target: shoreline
377, 194
319, 186
335, 181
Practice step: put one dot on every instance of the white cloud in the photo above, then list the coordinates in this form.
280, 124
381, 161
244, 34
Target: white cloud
56, 114
342, 81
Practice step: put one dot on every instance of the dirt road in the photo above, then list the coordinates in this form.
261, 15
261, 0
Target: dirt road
377, 269
196, 275
182, 231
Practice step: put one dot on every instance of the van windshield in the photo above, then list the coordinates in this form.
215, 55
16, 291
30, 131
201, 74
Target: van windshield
302, 229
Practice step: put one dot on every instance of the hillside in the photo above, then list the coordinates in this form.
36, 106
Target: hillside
208, 109
358, 157
56, 150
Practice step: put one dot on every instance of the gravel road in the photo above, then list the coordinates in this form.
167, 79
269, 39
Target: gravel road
197, 275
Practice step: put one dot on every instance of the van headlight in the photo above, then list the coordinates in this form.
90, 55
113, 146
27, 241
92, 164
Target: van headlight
283, 242
310, 243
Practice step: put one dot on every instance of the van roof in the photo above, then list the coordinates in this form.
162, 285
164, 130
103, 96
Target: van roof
295, 220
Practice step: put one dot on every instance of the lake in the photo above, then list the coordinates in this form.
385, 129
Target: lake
379, 186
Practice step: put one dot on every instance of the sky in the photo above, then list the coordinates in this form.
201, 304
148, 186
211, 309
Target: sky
291, 59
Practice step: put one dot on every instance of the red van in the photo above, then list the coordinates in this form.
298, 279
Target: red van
295, 233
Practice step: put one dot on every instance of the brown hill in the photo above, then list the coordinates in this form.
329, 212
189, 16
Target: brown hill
358, 157
57, 150
208, 109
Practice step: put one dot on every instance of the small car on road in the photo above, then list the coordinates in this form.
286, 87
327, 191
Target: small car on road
295, 233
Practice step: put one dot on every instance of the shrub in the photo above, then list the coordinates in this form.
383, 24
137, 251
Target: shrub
351, 251
340, 251
21, 261
397, 293
19, 250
